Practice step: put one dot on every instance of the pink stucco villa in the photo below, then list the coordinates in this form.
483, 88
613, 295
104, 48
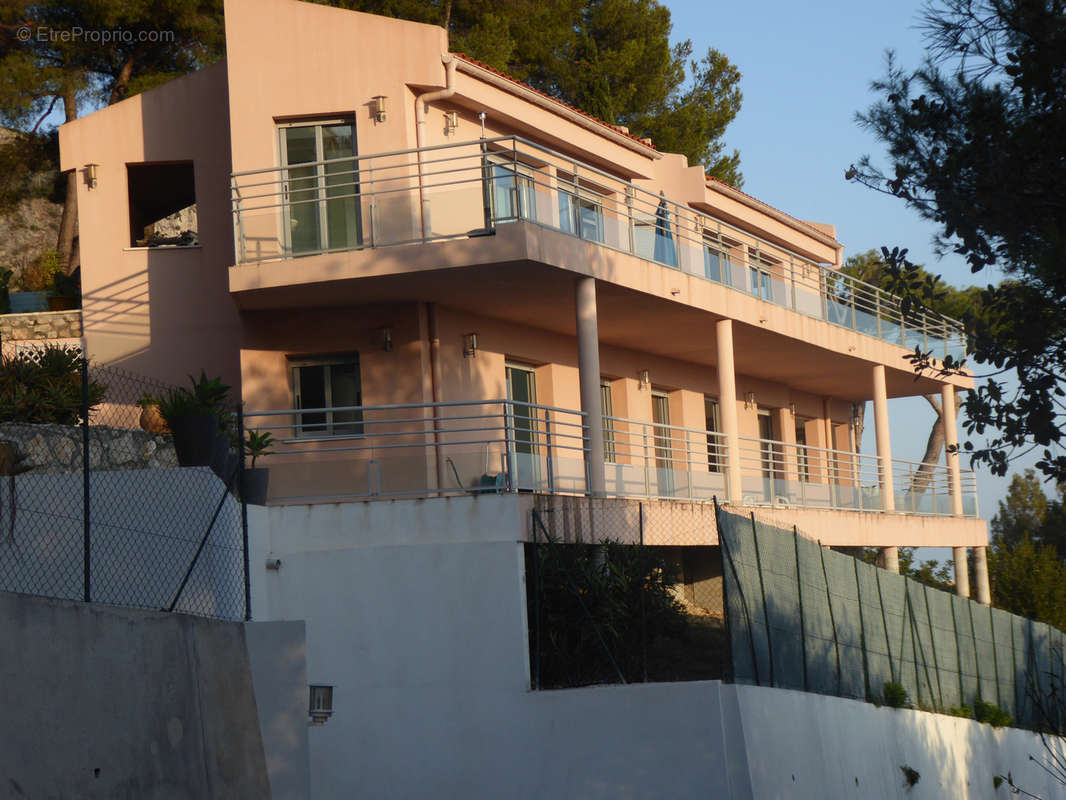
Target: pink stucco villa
428, 279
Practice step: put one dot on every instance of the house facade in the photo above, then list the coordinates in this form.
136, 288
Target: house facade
428, 279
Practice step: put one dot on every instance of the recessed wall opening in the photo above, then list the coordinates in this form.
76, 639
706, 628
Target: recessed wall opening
162, 205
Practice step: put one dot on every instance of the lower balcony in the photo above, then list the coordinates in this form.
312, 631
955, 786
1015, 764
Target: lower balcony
500, 446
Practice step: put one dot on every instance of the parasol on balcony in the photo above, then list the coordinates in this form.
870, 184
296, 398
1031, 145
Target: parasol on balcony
665, 249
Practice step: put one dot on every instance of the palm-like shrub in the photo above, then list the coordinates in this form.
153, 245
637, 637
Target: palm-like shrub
45, 386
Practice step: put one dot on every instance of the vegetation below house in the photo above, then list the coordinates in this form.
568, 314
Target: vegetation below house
608, 614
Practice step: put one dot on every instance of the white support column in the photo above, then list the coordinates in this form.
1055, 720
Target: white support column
962, 572
951, 440
588, 365
980, 570
884, 457
727, 405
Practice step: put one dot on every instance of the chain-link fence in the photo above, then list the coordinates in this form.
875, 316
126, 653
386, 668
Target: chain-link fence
606, 606
93, 503
804, 617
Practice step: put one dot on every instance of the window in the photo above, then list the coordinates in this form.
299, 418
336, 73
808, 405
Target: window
512, 187
328, 383
522, 392
607, 410
770, 449
712, 260
760, 270
801, 452
162, 205
660, 416
715, 448
580, 210
321, 191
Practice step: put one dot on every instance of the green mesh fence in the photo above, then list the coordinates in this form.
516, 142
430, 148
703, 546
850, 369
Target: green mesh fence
807, 618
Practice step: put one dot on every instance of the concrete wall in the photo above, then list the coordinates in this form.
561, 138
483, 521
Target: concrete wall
102, 703
416, 613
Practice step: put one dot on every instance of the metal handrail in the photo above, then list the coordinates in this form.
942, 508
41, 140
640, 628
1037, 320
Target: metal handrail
843, 298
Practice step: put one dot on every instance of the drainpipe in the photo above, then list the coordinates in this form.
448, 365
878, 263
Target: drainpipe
421, 102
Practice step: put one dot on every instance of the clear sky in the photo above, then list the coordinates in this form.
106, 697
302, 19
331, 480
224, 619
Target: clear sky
806, 71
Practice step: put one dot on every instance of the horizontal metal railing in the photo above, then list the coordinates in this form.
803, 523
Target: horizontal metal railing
787, 474
423, 449
470, 188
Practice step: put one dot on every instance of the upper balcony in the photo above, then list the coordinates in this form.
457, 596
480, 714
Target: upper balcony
472, 190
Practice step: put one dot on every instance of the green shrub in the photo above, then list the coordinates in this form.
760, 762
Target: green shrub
990, 713
601, 608
207, 396
45, 387
894, 695
961, 711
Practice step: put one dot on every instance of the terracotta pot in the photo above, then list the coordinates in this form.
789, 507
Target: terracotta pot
152, 421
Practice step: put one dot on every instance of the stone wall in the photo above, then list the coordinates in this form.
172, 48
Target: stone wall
57, 448
40, 325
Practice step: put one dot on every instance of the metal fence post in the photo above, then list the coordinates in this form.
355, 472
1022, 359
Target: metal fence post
862, 632
85, 486
762, 591
799, 598
244, 510
832, 617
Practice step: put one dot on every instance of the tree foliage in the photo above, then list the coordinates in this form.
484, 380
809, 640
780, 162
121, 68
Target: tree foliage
1026, 564
976, 140
611, 58
39, 66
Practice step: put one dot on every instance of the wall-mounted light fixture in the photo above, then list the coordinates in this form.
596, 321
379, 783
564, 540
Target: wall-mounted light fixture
451, 121
320, 706
792, 409
386, 339
470, 345
90, 175
749, 400
380, 113
644, 378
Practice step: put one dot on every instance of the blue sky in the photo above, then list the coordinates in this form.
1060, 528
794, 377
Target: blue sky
806, 71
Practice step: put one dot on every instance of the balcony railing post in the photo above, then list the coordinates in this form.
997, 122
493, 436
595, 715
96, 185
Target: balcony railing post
373, 204
647, 476
548, 450
486, 186
509, 445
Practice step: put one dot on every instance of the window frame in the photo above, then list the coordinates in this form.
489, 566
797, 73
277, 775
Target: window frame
295, 364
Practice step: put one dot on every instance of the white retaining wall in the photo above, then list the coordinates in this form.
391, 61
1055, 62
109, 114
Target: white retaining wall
415, 612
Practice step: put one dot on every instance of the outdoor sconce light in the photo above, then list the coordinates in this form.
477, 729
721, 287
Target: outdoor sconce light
321, 704
792, 409
90, 175
380, 114
451, 121
470, 345
645, 379
386, 339
749, 400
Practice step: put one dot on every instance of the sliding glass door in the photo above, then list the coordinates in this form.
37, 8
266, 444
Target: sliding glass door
321, 189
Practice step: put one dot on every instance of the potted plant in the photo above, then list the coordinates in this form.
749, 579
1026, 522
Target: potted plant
256, 480
151, 419
198, 418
